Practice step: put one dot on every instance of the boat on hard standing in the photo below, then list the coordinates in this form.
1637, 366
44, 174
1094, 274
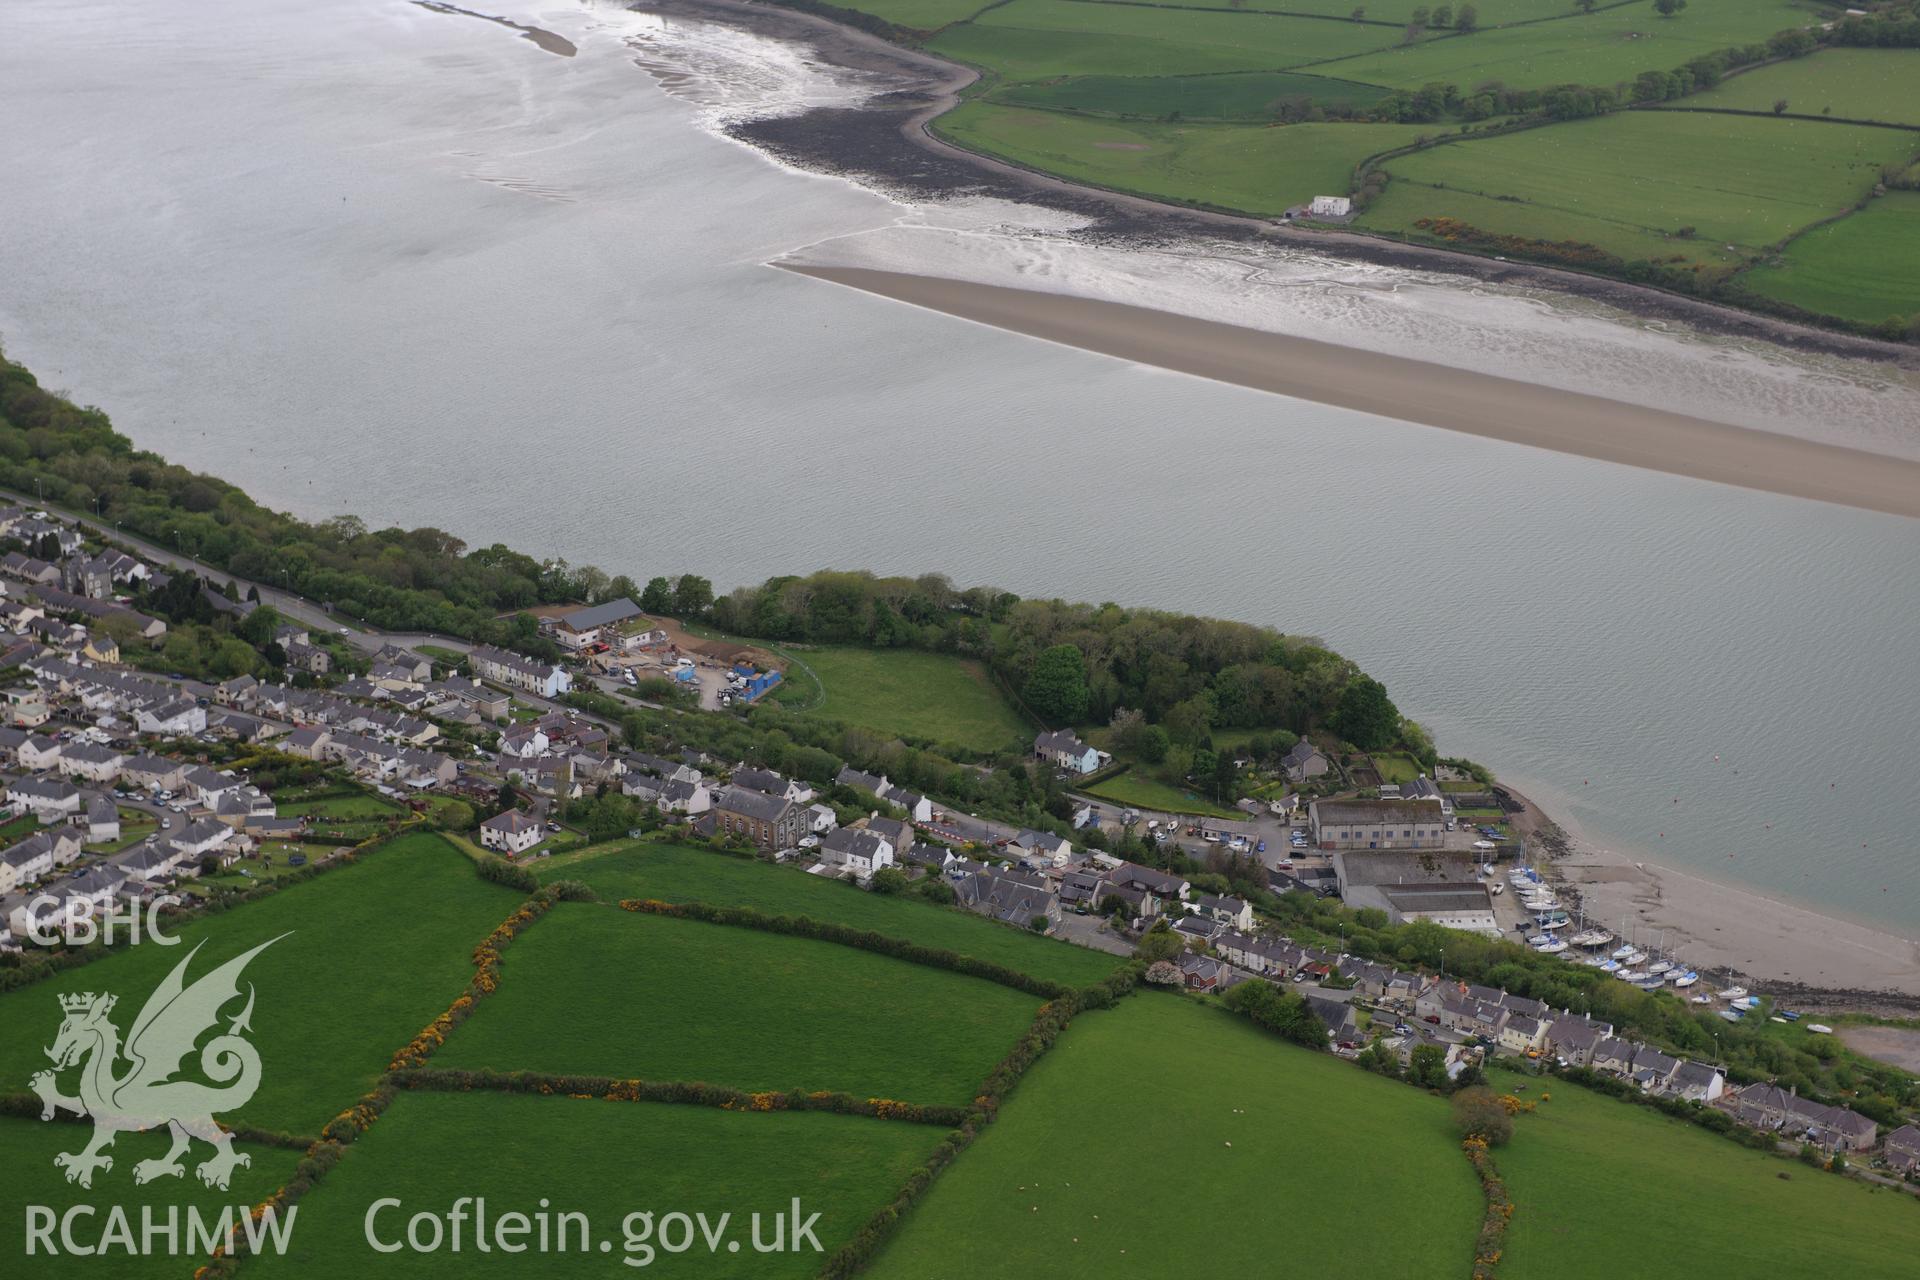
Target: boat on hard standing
1651, 984
1703, 999
1747, 1003
1660, 966
1733, 993
1820, 1027
1622, 951
1687, 979
1634, 957
1731, 1015
1552, 947
1610, 966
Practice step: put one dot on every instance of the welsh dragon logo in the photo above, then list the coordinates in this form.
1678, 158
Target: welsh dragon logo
145, 1095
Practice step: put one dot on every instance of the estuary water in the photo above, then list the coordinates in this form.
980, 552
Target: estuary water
366, 256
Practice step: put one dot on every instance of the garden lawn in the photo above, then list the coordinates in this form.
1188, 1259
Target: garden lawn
672, 873
1237, 95
1037, 39
1258, 170
28, 1177
1742, 180
1583, 1166
1603, 48
1395, 766
376, 950
1141, 792
1856, 84
606, 1160
342, 808
929, 696
1864, 267
1071, 1191
593, 990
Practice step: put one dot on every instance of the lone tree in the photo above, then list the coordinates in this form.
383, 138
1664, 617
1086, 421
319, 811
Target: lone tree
1667, 8
1477, 1113
1057, 689
1779, 106
1366, 717
1468, 19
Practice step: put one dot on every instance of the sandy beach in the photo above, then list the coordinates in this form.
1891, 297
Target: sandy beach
1819, 962
1418, 391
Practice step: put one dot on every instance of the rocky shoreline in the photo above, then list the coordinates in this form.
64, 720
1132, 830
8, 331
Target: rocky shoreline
885, 144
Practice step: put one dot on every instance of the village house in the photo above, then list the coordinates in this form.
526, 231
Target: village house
1696, 1082
198, 839
1376, 824
49, 799
1236, 913
1203, 973
1199, 931
103, 820
1521, 1036
1771, 1109
1614, 1056
1041, 847
174, 719
546, 679
1013, 897
1903, 1150
769, 783
692, 798
1062, 749
895, 832
1081, 888
93, 763
1652, 1069
858, 851
852, 777
772, 822
37, 753
27, 707
918, 807
1574, 1038
148, 862
1303, 761
513, 831
1159, 883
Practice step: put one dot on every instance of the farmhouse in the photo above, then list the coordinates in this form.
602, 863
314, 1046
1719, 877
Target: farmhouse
1377, 824
1304, 761
1330, 207
513, 831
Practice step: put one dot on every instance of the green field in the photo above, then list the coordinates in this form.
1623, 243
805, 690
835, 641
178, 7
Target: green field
1233, 96
1288, 1163
682, 1000
1855, 84
1391, 15
1740, 180
1260, 171
1866, 266
28, 1176
929, 696
1136, 789
922, 15
1583, 1167
603, 1159
673, 874
375, 951
1035, 39
1602, 48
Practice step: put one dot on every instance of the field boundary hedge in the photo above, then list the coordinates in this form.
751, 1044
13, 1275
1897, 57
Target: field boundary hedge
1493, 1226
686, 1092
848, 936
1778, 115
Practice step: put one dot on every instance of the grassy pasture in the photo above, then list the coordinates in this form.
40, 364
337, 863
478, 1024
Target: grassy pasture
593, 990
1233, 96
1583, 1165
1258, 1122
1261, 171
921, 15
1603, 48
1405, 202
1856, 84
28, 1176
670, 873
1395, 13
1865, 267
377, 950
920, 695
1745, 181
1037, 39
606, 1160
